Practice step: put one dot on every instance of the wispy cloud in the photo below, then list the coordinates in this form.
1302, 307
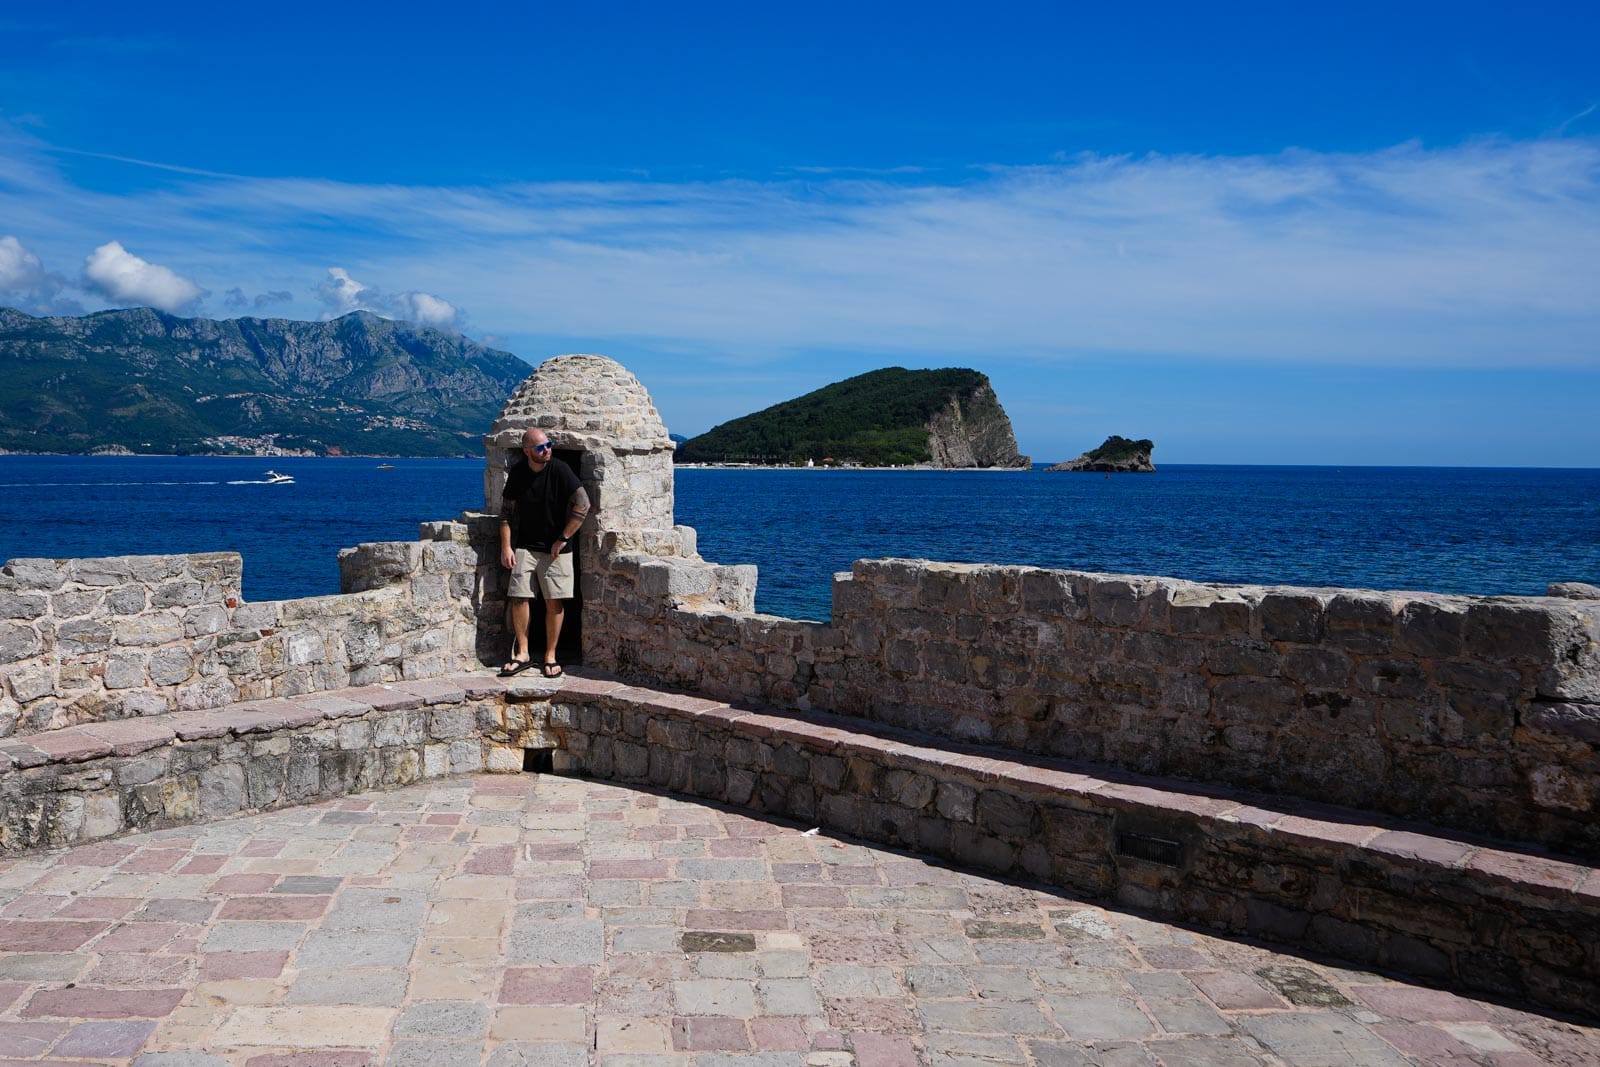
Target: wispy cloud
1475, 255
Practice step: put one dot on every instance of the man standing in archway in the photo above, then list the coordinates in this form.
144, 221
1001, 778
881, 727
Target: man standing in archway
541, 510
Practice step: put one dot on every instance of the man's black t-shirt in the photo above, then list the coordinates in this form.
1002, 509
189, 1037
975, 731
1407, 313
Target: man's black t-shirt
543, 503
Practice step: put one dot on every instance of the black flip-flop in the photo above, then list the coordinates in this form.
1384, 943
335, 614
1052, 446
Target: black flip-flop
551, 670
516, 666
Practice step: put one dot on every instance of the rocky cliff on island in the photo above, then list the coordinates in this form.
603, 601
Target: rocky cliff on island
890, 417
1118, 455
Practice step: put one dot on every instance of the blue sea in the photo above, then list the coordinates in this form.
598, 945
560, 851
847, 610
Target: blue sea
1457, 530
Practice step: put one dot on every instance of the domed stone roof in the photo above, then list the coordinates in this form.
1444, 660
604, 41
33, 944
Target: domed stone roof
583, 401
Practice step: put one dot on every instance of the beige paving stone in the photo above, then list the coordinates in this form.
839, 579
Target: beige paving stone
238, 991
632, 1035
477, 887
539, 1023
307, 1027
445, 951
453, 982
467, 918
739, 895
496, 835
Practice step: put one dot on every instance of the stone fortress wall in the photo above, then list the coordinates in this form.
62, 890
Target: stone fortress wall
1476, 713
1087, 729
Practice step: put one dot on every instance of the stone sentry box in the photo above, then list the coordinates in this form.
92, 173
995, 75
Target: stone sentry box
603, 423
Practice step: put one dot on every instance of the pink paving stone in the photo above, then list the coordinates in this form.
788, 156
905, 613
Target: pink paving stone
139, 968
606, 816
98, 907
1420, 847
176, 909
382, 698
855, 874
702, 831
1324, 833
602, 869
153, 861
434, 691
735, 848
324, 1058
654, 833
70, 745
1416, 1004
103, 1002
209, 864
1174, 957
141, 937
1533, 874
879, 1015
1234, 992
492, 859
119, 1039
129, 737
224, 965
26, 935
23, 755
815, 896
731, 919
1428, 1043
429, 833
442, 819
282, 906
882, 1050
33, 906
201, 726
709, 1033
9, 992
919, 874
547, 985
797, 872
779, 1034
29, 1038
104, 854
573, 685
846, 948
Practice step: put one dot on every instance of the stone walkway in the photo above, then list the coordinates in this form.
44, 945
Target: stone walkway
516, 920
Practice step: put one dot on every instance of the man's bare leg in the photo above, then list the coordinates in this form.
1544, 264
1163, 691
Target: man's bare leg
555, 611
520, 615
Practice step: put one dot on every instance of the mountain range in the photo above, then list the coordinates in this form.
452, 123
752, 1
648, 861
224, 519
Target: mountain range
140, 380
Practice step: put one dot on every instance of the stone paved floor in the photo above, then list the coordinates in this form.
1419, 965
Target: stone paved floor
521, 920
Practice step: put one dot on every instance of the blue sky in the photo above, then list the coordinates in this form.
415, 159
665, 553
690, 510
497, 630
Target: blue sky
1251, 232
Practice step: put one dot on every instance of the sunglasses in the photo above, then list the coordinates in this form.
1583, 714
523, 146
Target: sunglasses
539, 448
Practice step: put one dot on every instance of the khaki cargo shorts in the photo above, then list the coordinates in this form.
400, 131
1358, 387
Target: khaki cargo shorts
554, 576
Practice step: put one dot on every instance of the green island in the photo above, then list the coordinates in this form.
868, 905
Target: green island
888, 417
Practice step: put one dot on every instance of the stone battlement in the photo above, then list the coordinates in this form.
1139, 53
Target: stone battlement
142, 690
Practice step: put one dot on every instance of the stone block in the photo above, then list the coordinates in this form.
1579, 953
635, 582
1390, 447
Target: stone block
1291, 616
158, 628
41, 574
22, 605
221, 790
170, 666
126, 669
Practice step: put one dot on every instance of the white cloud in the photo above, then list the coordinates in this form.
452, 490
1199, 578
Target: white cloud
342, 294
124, 278
25, 283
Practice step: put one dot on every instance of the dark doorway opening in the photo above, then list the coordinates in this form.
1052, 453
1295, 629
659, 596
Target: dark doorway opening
569, 646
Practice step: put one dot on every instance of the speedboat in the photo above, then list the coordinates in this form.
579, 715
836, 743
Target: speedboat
274, 478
